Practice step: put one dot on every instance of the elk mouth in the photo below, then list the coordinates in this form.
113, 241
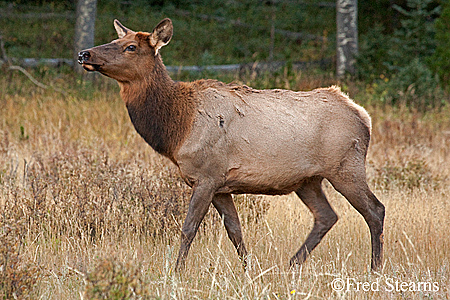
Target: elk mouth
91, 67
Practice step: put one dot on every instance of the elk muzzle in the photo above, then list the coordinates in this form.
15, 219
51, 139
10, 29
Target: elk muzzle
83, 56
84, 59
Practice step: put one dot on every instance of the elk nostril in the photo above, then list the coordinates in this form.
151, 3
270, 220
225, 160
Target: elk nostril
83, 56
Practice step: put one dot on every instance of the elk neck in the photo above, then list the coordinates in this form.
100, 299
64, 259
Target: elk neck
161, 110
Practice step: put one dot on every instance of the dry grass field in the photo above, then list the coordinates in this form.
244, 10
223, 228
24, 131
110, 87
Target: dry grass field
89, 211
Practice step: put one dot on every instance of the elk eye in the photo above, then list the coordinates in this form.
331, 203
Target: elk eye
130, 48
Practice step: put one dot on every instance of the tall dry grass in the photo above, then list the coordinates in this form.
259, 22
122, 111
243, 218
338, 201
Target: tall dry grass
89, 211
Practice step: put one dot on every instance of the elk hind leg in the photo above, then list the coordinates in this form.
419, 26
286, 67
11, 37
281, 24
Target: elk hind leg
352, 184
312, 195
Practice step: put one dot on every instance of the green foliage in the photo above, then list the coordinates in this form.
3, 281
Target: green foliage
440, 61
206, 33
197, 39
23, 136
397, 65
390, 53
414, 85
414, 39
373, 49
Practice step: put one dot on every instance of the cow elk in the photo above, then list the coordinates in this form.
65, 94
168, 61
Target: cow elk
231, 139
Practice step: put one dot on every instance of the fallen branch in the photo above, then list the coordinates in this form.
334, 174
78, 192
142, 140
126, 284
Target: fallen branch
41, 85
33, 80
7, 61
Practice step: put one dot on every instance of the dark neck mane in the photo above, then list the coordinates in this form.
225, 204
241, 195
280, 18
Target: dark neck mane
162, 111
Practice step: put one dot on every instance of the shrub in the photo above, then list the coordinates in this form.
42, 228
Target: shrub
17, 277
409, 174
415, 85
114, 280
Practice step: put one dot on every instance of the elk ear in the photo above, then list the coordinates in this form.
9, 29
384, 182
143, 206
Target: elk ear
121, 30
161, 35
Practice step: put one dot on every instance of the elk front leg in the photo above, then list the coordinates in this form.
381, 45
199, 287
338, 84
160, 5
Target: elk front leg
226, 209
312, 195
198, 207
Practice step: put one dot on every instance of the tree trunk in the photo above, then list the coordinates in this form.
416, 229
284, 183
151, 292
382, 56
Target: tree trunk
84, 29
347, 36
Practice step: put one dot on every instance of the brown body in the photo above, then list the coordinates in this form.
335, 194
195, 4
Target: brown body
231, 139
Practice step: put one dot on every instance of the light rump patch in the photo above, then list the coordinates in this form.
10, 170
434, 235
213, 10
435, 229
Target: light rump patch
231, 139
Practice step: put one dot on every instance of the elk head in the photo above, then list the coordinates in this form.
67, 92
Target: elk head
131, 56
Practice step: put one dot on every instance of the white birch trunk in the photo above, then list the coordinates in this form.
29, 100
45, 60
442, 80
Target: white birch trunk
346, 36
